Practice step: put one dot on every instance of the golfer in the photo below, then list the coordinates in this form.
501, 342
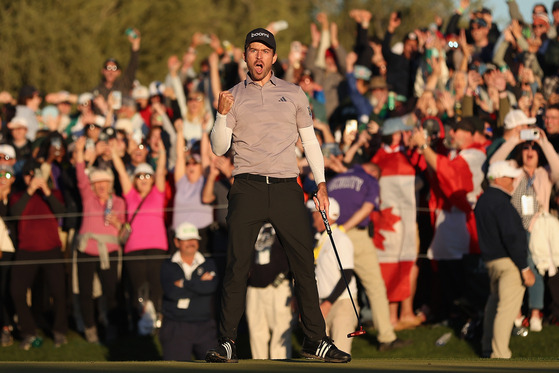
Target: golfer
262, 118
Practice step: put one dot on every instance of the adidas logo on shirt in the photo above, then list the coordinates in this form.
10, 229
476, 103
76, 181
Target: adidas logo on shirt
282, 99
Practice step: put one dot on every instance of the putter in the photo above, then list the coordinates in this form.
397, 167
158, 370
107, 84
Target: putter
329, 231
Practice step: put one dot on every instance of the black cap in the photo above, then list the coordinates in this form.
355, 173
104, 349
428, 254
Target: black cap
467, 124
261, 35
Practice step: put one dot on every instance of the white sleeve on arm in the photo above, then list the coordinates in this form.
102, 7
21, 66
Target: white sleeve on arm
221, 135
313, 153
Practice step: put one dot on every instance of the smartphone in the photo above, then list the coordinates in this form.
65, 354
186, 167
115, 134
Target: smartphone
399, 14
130, 32
37, 173
117, 99
529, 134
350, 126
206, 38
89, 144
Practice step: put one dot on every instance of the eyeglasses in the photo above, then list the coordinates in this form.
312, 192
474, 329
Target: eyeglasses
529, 146
197, 99
5, 157
111, 68
93, 127
6, 174
143, 176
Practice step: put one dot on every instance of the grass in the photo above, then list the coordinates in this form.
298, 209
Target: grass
543, 346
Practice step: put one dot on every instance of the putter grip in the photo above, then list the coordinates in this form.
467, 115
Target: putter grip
326, 223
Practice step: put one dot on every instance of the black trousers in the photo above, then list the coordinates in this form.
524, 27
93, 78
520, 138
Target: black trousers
109, 283
251, 204
22, 279
145, 276
6, 304
180, 339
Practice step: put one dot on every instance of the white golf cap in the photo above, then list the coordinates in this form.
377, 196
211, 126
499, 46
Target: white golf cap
8, 150
503, 169
187, 231
143, 168
334, 209
517, 118
18, 122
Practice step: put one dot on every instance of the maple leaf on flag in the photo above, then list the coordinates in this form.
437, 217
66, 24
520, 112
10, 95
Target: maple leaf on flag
384, 220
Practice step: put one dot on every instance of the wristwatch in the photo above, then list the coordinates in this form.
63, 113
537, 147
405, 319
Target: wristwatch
423, 147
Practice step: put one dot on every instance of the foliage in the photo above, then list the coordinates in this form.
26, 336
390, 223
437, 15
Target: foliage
59, 44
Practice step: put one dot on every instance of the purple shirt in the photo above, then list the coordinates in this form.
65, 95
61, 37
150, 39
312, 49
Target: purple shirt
351, 189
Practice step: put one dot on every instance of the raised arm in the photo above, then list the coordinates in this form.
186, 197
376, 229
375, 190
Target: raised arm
161, 169
118, 164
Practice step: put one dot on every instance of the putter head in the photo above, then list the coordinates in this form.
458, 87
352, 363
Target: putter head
357, 332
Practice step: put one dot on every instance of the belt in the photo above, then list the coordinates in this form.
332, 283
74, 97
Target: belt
266, 179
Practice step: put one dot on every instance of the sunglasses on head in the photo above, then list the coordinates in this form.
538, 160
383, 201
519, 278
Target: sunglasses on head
143, 176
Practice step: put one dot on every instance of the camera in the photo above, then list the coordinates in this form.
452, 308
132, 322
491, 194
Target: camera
529, 134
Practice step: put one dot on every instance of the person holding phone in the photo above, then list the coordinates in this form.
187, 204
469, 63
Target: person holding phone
38, 243
530, 197
113, 78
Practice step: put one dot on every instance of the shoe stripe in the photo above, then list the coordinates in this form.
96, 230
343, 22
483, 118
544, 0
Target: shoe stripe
228, 349
323, 349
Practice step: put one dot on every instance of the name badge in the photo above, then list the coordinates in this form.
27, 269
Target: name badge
527, 203
183, 303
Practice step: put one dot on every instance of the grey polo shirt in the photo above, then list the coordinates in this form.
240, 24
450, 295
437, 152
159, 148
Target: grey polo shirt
265, 122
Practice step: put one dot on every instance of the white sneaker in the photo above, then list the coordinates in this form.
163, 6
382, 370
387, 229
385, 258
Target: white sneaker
518, 321
535, 324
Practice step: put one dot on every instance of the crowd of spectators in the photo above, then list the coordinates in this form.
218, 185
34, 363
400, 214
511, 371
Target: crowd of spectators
99, 181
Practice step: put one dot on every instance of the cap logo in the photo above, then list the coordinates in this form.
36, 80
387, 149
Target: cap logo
253, 35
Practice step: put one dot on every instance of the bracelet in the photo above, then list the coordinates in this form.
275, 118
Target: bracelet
423, 147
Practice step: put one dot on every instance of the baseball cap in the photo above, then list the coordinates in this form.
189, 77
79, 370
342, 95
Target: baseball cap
541, 18
378, 82
503, 169
143, 168
100, 174
84, 98
466, 124
140, 92
393, 125
8, 150
124, 124
17, 122
187, 231
362, 72
261, 35
333, 210
515, 118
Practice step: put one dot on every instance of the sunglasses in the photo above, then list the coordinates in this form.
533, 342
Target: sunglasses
5, 157
6, 174
143, 176
111, 68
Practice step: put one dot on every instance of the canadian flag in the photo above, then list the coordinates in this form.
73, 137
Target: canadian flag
395, 235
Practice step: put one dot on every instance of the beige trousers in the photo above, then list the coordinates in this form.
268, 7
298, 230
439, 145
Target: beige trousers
505, 299
367, 268
341, 321
270, 319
